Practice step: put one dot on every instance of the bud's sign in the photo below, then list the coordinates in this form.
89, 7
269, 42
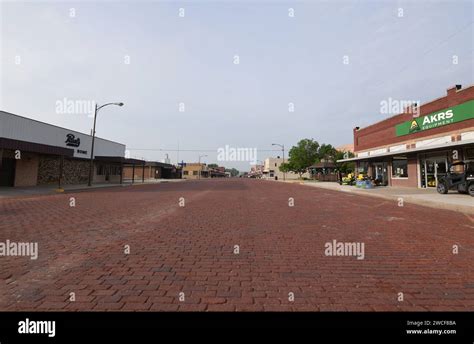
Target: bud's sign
436, 119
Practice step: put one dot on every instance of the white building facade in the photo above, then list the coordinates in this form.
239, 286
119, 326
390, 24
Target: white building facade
36, 153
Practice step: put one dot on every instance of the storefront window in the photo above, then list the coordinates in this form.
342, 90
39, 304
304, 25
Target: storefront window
469, 153
100, 170
400, 167
363, 167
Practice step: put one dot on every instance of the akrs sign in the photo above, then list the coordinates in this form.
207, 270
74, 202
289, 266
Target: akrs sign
436, 119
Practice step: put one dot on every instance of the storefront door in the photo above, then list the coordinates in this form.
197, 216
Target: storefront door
381, 175
433, 169
7, 172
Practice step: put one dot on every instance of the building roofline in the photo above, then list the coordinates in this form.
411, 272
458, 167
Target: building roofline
57, 126
419, 106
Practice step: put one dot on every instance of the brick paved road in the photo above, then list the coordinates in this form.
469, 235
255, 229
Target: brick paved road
191, 249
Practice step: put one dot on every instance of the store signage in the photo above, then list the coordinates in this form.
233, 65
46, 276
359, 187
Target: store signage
71, 141
437, 119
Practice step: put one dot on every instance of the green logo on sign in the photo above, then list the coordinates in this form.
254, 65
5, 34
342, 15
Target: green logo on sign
414, 126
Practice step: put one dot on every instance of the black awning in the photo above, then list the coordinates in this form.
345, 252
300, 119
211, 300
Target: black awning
120, 160
34, 147
159, 164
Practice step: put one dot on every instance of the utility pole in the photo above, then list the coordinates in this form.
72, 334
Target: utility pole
283, 150
200, 167
91, 163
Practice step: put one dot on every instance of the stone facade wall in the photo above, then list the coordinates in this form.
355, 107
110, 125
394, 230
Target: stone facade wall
74, 171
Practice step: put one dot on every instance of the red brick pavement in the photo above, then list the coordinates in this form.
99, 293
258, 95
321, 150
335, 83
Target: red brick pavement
190, 249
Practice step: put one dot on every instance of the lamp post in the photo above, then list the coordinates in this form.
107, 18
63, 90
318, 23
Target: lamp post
91, 163
200, 167
283, 150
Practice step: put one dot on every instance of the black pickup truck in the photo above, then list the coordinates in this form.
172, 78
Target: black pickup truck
459, 177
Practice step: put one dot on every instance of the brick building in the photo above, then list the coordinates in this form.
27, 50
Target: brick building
152, 170
415, 148
195, 170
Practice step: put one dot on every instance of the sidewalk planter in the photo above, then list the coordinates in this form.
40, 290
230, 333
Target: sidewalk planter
364, 184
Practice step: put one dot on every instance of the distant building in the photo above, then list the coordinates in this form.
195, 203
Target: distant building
217, 172
346, 148
195, 170
152, 170
271, 170
166, 160
256, 171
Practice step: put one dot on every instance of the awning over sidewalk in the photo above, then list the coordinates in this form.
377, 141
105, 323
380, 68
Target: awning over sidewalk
323, 164
120, 160
409, 151
34, 147
123, 162
159, 164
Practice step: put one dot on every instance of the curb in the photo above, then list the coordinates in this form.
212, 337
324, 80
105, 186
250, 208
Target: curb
465, 209
57, 191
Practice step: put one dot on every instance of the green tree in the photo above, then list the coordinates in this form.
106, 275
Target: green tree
327, 152
345, 167
301, 156
212, 165
285, 167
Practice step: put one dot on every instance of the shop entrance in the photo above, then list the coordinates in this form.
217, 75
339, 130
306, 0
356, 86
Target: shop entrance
7, 172
381, 174
431, 170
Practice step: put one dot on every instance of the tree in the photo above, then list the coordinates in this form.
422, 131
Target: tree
345, 167
285, 167
301, 156
213, 166
327, 152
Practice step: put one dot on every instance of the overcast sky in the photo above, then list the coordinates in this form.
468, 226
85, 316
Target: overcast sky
152, 59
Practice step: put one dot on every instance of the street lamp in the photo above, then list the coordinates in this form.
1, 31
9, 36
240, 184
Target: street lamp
283, 150
91, 164
200, 168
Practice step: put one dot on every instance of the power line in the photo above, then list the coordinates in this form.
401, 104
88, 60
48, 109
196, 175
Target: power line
192, 150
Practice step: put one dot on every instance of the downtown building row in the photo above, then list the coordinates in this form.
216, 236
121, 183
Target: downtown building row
415, 148
197, 170
37, 153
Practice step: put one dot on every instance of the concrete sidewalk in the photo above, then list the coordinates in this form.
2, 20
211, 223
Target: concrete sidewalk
427, 197
11, 192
